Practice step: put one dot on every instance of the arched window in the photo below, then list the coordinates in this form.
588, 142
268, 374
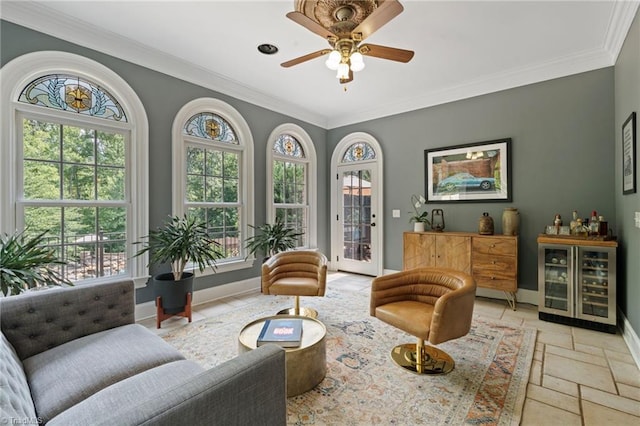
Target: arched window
76, 163
213, 174
291, 181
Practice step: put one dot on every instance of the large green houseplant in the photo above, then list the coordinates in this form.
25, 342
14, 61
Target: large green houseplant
180, 242
26, 262
270, 239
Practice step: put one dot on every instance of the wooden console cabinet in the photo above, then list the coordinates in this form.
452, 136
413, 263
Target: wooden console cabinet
492, 260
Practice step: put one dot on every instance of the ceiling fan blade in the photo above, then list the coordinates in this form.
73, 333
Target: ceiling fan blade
305, 58
383, 14
385, 52
311, 25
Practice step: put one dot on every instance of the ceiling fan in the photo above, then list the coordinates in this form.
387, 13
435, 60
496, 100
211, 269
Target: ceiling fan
345, 24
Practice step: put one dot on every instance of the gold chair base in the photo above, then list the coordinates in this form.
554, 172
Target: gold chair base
305, 312
434, 361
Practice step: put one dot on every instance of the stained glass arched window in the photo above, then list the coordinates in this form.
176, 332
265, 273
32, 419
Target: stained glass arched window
359, 151
207, 125
291, 182
289, 146
72, 93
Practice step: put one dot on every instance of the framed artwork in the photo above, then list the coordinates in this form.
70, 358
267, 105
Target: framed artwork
476, 172
629, 155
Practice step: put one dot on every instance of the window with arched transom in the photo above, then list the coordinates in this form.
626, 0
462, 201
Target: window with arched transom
213, 174
75, 164
291, 182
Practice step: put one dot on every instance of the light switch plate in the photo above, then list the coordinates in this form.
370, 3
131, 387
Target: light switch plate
395, 212
637, 219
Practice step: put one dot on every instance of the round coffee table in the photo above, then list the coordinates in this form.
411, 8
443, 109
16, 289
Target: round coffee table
307, 364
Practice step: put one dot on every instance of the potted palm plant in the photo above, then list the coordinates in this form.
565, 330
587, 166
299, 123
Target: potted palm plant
181, 242
26, 262
270, 239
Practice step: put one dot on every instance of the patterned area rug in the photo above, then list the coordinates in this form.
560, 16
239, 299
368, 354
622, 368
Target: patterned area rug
363, 386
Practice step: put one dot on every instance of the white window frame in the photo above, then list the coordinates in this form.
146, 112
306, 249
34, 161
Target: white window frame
17, 74
312, 180
244, 148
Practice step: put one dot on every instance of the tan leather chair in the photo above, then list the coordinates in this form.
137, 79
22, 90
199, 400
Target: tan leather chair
295, 273
433, 304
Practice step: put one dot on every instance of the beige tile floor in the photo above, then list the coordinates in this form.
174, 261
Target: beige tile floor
578, 377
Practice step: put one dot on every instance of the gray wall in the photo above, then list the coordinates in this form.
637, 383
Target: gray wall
562, 157
566, 149
163, 96
627, 100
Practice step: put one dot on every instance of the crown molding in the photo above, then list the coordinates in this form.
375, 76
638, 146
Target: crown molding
46, 20
620, 22
508, 79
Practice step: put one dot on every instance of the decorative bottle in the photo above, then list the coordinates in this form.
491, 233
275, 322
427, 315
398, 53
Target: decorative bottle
593, 223
510, 221
574, 222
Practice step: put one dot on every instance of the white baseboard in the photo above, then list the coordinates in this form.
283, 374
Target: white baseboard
148, 309
630, 337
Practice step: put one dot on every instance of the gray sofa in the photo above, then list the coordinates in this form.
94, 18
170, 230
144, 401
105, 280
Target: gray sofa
74, 356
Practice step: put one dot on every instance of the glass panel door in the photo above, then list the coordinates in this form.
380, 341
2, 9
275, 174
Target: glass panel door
596, 269
357, 220
556, 270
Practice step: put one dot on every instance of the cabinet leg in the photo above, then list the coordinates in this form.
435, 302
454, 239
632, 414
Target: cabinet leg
511, 299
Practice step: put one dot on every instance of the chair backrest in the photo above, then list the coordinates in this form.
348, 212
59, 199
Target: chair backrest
297, 263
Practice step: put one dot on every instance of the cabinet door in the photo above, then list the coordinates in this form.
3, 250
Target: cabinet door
555, 279
453, 251
596, 274
419, 250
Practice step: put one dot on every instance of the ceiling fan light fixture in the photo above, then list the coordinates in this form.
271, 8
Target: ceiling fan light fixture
343, 71
357, 62
333, 60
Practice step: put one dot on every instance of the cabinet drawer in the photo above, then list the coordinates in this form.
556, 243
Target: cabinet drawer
495, 282
505, 265
499, 246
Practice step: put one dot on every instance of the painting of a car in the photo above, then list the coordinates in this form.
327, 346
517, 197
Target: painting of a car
466, 182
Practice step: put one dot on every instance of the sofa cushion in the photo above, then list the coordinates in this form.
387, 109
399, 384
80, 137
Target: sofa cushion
67, 374
15, 399
149, 384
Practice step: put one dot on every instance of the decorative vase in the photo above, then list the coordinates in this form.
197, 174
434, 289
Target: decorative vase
485, 224
510, 221
418, 227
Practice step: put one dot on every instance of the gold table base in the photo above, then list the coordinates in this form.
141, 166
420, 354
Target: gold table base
434, 361
304, 312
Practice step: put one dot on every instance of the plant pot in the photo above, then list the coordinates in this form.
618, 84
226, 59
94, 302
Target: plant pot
418, 227
173, 293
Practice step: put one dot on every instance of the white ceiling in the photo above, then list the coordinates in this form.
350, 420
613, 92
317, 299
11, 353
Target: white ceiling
462, 48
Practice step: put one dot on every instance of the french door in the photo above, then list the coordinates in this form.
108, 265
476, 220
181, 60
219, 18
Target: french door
357, 219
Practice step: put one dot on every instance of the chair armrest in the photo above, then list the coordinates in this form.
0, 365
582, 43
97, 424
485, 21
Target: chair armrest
36, 321
248, 389
453, 313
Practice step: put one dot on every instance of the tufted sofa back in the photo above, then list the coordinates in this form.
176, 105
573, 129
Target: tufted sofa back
36, 321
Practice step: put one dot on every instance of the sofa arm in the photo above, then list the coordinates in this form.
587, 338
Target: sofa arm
36, 321
247, 390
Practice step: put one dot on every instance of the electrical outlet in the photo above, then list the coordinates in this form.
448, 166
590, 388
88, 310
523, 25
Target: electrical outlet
395, 213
